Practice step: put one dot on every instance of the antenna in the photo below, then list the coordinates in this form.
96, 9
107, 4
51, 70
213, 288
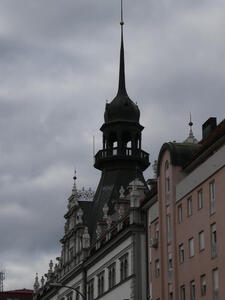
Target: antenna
2, 278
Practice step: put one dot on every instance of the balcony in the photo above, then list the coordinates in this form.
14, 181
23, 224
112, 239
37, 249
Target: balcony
121, 154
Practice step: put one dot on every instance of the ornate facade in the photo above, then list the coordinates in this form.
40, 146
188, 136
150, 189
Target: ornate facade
104, 244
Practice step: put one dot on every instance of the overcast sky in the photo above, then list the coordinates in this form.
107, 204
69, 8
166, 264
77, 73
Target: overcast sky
58, 66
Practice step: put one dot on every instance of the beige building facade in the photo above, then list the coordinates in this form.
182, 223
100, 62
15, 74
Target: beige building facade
186, 223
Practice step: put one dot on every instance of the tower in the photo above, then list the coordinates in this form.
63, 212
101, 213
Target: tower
121, 158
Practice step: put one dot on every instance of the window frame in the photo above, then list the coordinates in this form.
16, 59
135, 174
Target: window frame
200, 199
191, 246
212, 197
201, 240
189, 206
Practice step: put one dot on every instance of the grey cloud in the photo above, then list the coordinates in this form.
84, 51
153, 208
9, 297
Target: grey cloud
59, 63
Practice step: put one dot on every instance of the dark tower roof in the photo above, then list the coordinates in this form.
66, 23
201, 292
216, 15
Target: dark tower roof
122, 108
121, 158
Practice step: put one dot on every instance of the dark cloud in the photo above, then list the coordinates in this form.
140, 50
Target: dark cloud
59, 64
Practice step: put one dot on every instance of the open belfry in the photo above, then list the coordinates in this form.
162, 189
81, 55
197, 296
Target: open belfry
104, 233
137, 239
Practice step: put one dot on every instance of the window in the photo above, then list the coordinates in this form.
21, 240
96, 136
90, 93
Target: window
200, 199
167, 185
191, 247
112, 275
168, 229
180, 213
101, 283
201, 241
189, 206
171, 296
124, 267
90, 290
213, 241
69, 296
157, 230
167, 182
167, 165
215, 284
203, 285
182, 292
157, 268
181, 253
212, 198
192, 289
170, 268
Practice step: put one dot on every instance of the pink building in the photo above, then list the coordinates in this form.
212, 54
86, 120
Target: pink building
186, 219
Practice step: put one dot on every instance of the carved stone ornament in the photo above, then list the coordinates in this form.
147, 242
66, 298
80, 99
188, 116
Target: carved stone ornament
86, 239
122, 191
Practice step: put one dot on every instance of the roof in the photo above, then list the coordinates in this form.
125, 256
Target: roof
181, 153
22, 291
207, 146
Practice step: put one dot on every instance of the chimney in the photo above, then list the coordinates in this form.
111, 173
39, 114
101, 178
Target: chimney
208, 127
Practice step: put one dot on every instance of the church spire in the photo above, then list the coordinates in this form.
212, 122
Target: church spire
122, 85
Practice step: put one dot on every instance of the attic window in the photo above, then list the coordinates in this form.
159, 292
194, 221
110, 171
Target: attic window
167, 165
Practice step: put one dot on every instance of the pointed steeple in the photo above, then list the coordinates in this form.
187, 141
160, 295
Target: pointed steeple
191, 139
122, 108
122, 83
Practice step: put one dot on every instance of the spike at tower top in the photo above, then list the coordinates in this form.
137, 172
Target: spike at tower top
121, 21
122, 85
121, 108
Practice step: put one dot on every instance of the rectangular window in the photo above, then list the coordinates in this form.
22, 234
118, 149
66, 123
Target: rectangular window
101, 283
215, 284
212, 197
201, 241
213, 241
157, 268
112, 275
203, 285
189, 206
181, 253
191, 247
167, 185
200, 199
167, 191
192, 289
180, 213
124, 267
171, 296
168, 229
182, 292
157, 230
170, 268
90, 290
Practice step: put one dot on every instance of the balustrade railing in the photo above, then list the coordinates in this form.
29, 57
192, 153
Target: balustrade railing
122, 152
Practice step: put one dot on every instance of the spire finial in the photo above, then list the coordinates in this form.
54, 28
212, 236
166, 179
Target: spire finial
121, 9
191, 138
122, 86
74, 184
